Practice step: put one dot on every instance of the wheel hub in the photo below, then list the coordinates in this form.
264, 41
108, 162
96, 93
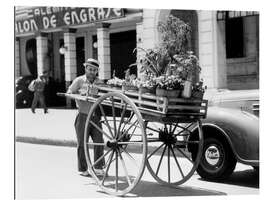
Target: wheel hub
113, 145
167, 138
212, 155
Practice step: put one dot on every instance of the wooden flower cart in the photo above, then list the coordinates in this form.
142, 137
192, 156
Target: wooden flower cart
142, 130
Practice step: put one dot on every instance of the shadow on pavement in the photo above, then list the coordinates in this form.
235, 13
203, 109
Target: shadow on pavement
246, 178
153, 189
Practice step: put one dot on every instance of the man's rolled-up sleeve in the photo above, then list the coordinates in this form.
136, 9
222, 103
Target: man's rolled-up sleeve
74, 87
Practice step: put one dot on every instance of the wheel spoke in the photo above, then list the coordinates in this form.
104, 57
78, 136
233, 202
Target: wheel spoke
125, 169
174, 128
127, 130
101, 158
178, 165
153, 129
165, 128
184, 154
160, 160
170, 129
108, 166
133, 142
130, 157
105, 118
155, 151
184, 128
96, 144
100, 130
129, 119
113, 114
116, 171
169, 175
122, 116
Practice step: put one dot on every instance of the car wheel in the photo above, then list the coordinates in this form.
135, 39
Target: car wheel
218, 161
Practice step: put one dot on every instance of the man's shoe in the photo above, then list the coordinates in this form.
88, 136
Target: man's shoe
99, 172
46, 111
33, 111
85, 173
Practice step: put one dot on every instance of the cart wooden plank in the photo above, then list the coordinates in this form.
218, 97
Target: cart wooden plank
151, 106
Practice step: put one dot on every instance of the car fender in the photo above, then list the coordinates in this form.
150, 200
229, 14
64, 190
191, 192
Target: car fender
239, 128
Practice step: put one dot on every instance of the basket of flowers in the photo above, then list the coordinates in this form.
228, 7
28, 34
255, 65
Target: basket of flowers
169, 86
130, 81
115, 83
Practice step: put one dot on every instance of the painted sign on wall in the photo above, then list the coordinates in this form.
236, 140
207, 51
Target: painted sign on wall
44, 18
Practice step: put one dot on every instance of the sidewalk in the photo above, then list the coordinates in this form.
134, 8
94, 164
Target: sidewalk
54, 128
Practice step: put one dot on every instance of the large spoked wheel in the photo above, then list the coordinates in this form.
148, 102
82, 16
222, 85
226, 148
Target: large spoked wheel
122, 146
170, 151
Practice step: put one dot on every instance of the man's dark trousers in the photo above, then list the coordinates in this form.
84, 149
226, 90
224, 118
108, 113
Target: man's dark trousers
39, 97
96, 137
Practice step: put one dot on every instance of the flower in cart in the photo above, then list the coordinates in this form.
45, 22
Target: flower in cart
187, 66
115, 82
170, 82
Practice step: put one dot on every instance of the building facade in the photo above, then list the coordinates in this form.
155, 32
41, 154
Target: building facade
60, 39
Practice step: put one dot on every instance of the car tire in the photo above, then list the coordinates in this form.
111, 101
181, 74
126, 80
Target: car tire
218, 161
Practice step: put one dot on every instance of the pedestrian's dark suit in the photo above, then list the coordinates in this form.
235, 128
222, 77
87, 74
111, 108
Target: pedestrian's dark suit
79, 85
39, 85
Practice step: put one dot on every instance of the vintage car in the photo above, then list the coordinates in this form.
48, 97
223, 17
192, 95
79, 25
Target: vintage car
231, 133
23, 96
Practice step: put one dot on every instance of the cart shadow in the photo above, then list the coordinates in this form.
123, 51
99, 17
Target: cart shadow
153, 189
246, 178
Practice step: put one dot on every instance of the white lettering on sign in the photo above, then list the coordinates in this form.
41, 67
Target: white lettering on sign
49, 10
33, 25
53, 21
26, 26
91, 13
67, 18
52, 17
42, 12
36, 12
108, 13
83, 16
74, 17
117, 11
46, 22
100, 13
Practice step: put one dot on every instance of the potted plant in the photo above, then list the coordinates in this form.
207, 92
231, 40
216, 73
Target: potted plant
169, 86
198, 90
130, 82
115, 83
147, 84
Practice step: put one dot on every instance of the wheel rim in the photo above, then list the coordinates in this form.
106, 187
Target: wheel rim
123, 132
174, 142
213, 158
212, 155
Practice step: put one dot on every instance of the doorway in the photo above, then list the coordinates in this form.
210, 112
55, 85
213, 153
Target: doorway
122, 46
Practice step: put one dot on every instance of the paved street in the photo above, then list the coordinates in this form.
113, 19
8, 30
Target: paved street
46, 172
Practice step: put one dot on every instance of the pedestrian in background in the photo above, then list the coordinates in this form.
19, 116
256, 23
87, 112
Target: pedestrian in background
38, 86
83, 85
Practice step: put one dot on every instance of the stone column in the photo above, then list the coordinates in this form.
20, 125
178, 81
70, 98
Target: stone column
42, 50
212, 53
70, 58
150, 37
139, 40
17, 57
104, 55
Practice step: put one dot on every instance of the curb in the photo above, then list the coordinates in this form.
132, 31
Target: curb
46, 141
68, 143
